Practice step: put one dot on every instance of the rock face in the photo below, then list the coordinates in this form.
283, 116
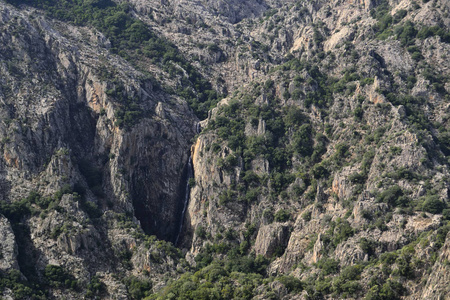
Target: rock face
347, 197
75, 120
62, 131
322, 173
436, 286
8, 246
271, 239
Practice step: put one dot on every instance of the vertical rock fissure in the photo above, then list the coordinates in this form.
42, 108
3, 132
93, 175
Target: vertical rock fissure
190, 174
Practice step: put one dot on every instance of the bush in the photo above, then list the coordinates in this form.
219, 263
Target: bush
293, 116
433, 204
226, 197
307, 216
268, 215
328, 266
95, 288
342, 231
191, 182
351, 272
251, 195
426, 32
291, 283
282, 215
138, 289
406, 33
358, 113
57, 277
391, 196
20, 288
368, 246
392, 290
302, 140
91, 208
417, 56
251, 178
279, 181
404, 267
346, 283
411, 81
15, 211
357, 178
342, 150
200, 232
399, 15
446, 214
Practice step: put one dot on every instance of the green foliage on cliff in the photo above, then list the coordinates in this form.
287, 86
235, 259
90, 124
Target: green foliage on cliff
57, 277
21, 288
138, 289
233, 278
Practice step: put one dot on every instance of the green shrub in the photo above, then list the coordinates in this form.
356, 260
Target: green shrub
57, 277
426, 32
406, 33
411, 81
307, 216
302, 140
268, 215
342, 150
191, 182
328, 266
368, 246
138, 289
342, 231
446, 214
392, 196
395, 150
293, 116
433, 204
399, 15
16, 211
358, 113
417, 56
282, 215
200, 231
346, 283
357, 177
20, 288
91, 208
380, 223
251, 195
226, 197
351, 272
279, 181
95, 288
388, 257
251, 178
392, 290
366, 81
291, 283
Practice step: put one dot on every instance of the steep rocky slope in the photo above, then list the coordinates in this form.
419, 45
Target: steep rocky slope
321, 174
336, 157
77, 119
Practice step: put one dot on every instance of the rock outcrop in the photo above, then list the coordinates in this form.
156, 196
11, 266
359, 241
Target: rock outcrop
8, 246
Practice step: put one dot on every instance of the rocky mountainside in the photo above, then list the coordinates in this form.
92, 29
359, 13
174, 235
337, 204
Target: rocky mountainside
309, 138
